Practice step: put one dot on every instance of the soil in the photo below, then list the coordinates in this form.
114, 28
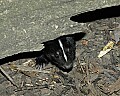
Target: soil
91, 75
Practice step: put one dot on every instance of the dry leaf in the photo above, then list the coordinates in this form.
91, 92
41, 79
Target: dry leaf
84, 42
106, 49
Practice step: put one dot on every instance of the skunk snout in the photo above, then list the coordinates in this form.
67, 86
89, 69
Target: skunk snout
68, 66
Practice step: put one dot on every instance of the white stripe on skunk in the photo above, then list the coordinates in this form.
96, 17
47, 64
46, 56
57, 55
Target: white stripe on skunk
61, 45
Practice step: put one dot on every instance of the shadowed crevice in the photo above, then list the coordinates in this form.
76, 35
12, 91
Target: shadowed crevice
23, 55
98, 14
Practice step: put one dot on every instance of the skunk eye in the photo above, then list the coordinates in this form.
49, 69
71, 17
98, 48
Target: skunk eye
57, 54
67, 49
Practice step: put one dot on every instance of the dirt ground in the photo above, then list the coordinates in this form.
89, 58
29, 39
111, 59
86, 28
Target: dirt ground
91, 75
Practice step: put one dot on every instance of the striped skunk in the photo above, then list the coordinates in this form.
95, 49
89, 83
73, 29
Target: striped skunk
60, 52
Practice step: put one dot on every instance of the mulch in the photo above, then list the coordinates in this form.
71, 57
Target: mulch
91, 75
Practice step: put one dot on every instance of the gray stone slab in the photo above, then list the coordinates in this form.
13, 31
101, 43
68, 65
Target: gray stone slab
25, 24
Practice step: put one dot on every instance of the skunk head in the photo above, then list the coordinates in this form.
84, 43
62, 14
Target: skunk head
61, 52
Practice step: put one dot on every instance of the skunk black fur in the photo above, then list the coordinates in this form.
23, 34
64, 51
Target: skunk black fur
60, 52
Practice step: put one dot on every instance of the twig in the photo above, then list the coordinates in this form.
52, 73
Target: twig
7, 76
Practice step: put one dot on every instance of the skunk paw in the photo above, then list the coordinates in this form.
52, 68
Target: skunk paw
41, 62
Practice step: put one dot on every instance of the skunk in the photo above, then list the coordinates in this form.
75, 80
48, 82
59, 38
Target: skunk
60, 52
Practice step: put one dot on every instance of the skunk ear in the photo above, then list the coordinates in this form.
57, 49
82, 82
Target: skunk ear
77, 36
